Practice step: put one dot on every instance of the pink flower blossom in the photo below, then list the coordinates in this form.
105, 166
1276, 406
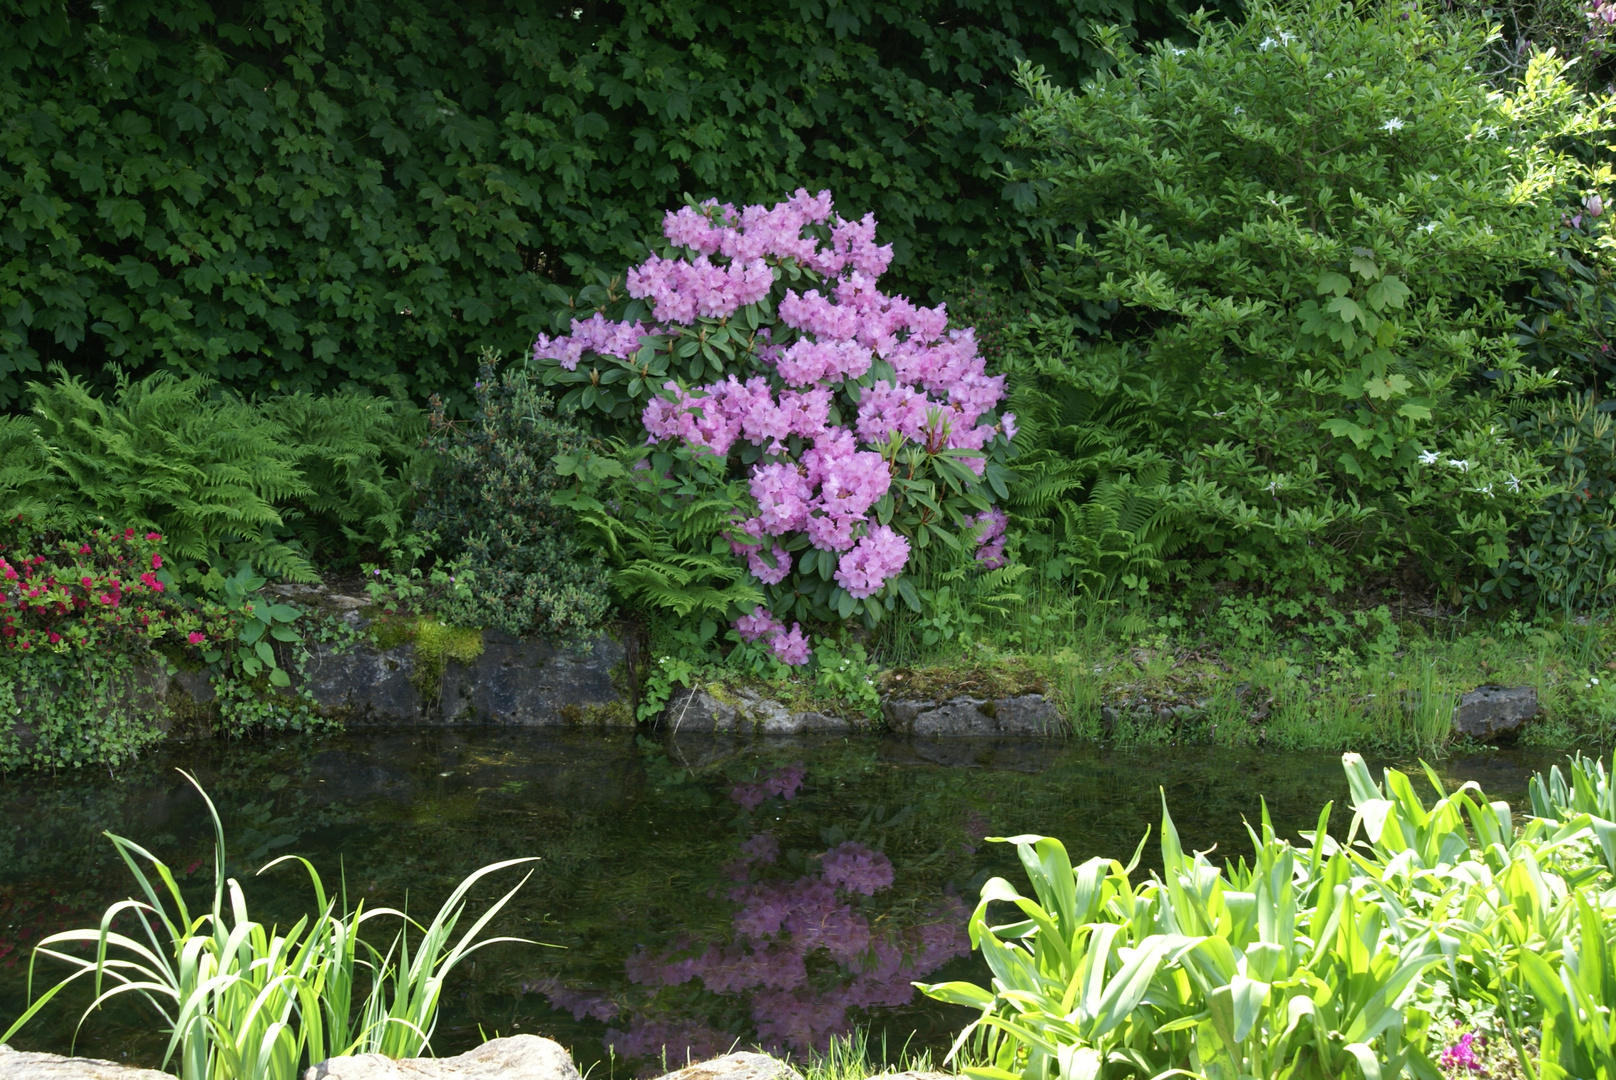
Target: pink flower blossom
879, 554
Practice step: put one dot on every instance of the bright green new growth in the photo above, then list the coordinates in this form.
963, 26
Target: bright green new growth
1290, 275
1315, 961
243, 1001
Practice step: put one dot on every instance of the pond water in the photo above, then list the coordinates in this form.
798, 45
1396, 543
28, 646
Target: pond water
691, 893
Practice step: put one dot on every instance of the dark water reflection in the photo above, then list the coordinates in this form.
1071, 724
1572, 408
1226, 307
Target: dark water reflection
701, 890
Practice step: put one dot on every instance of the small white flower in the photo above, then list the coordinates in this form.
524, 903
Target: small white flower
1394, 124
1459, 463
1273, 487
1513, 483
1239, 110
1286, 38
1429, 457
1176, 51
1428, 227
1594, 681
1485, 489
1266, 43
1221, 414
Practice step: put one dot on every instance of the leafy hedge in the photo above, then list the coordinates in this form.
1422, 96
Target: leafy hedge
302, 195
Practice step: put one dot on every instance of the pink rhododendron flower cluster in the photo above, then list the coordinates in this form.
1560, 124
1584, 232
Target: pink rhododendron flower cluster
990, 525
789, 647
827, 397
594, 335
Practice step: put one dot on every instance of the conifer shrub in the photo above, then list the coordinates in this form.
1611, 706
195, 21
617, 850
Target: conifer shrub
491, 506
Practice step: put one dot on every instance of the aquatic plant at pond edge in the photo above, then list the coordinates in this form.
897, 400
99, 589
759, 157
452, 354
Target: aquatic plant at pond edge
242, 1001
1312, 961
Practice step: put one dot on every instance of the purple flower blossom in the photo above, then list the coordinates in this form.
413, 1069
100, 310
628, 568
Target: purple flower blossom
1462, 1054
990, 526
880, 554
937, 395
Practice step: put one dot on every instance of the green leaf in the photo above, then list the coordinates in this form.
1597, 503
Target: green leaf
1388, 292
1333, 282
1387, 387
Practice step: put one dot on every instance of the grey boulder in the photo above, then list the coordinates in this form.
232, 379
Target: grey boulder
23, 1065
700, 710
1490, 711
740, 1066
519, 681
516, 1057
1023, 714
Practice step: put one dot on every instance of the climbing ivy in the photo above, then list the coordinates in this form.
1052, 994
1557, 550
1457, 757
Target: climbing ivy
302, 194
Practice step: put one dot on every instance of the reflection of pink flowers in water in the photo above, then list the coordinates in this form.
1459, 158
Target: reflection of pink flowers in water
802, 954
762, 848
581, 1004
782, 783
856, 868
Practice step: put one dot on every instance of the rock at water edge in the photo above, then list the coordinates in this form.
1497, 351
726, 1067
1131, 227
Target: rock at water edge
1023, 714
516, 1057
1490, 711
23, 1065
742, 1066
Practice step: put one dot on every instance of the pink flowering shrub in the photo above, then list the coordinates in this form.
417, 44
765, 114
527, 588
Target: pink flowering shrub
855, 433
102, 590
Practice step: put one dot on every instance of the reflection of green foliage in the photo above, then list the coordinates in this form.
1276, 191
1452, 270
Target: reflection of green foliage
631, 839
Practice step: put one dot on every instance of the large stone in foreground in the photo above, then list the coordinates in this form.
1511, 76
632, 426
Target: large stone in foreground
1490, 711
517, 1057
23, 1065
741, 1066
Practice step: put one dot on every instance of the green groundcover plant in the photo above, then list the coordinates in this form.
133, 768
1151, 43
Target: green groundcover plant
1291, 257
1330, 958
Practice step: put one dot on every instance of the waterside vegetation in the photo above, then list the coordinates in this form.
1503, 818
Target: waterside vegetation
1262, 424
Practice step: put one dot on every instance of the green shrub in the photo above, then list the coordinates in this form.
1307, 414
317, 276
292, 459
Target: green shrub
1565, 558
491, 505
1298, 244
224, 480
311, 195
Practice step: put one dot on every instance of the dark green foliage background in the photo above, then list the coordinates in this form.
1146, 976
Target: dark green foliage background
297, 194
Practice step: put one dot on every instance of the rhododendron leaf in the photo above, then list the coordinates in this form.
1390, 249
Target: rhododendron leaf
252, 631
283, 612
284, 633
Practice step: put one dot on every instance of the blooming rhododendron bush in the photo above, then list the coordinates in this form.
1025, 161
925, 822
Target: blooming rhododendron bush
854, 434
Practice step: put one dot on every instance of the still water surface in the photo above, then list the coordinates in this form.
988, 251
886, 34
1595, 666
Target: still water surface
691, 893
